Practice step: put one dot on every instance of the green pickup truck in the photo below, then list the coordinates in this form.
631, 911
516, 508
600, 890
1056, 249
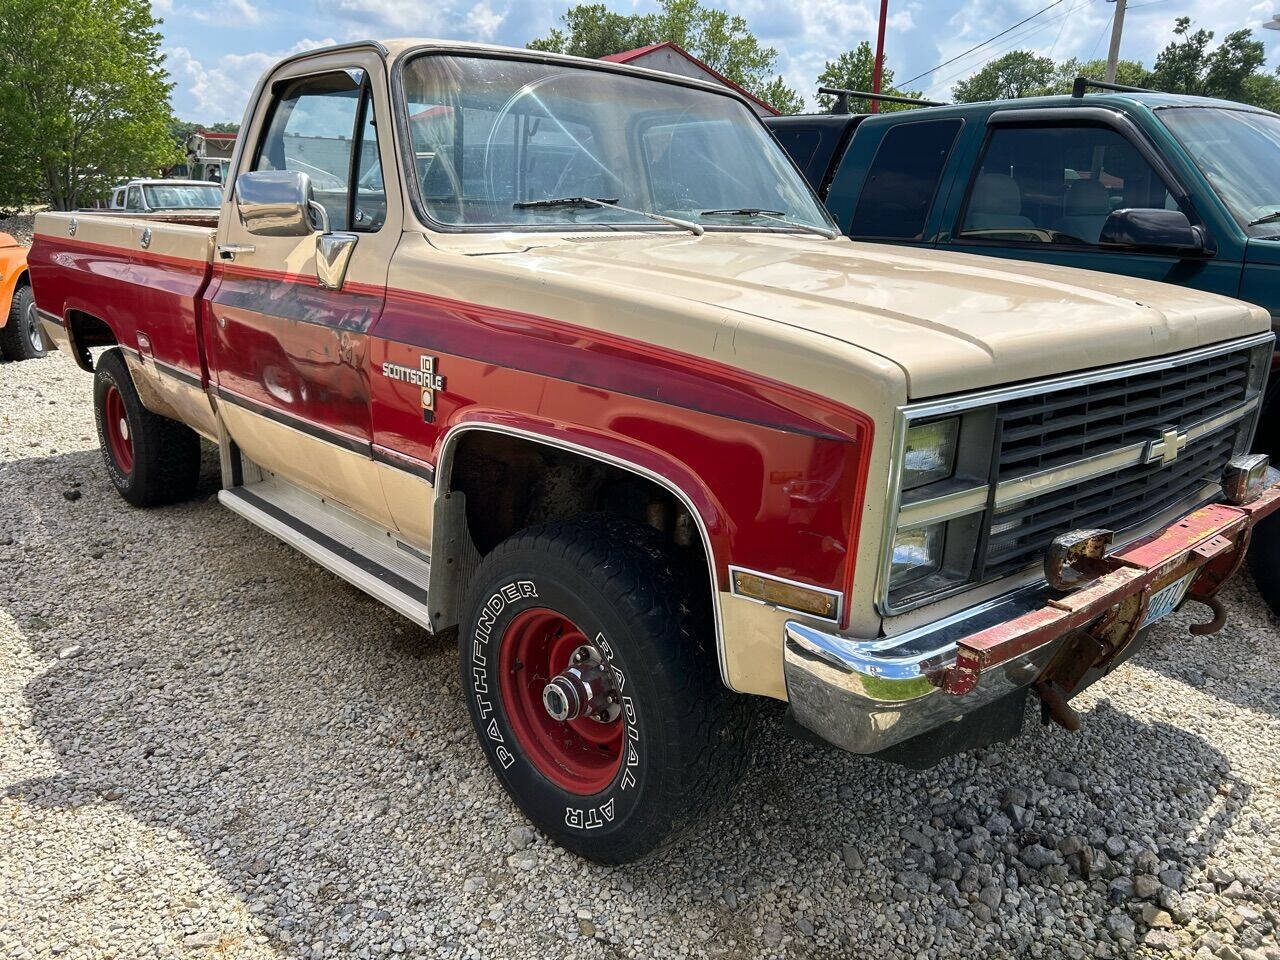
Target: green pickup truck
1159, 186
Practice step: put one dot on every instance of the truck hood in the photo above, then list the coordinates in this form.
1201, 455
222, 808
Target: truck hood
951, 321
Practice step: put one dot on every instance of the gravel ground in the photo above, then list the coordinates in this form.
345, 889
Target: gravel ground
18, 226
209, 747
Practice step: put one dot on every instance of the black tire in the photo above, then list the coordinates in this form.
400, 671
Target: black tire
1263, 559
21, 337
685, 743
165, 464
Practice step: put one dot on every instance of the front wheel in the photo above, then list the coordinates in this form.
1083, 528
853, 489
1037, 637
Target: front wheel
1263, 559
21, 337
151, 459
592, 684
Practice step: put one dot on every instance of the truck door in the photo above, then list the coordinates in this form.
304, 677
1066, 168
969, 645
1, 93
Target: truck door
1046, 181
290, 356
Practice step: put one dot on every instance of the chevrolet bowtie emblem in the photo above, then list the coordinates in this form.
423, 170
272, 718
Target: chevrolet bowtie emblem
1167, 448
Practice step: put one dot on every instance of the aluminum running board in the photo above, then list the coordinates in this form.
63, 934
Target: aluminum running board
362, 553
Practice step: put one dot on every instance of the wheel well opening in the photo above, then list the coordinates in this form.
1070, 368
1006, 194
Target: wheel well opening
511, 483
86, 331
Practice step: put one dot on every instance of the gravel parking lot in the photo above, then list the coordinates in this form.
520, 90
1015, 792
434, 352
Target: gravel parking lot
210, 747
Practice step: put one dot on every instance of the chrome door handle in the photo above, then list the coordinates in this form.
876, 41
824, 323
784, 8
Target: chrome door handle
228, 251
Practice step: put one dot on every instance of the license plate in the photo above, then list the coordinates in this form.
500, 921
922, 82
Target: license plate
1165, 600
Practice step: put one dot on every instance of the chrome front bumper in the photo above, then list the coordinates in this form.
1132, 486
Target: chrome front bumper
868, 695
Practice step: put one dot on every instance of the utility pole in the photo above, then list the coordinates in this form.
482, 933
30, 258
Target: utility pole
877, 73
1117, 28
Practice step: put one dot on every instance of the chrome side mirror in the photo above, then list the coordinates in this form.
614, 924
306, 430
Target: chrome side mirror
278, 203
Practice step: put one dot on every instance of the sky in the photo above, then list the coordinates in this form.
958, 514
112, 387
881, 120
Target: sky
217, 50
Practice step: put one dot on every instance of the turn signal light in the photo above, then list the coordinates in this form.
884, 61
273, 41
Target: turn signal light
1244, 477
780, 593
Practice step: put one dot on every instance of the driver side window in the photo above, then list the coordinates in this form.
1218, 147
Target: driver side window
1057, 184
323, 126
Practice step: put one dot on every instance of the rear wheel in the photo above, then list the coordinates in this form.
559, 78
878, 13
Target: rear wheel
21, 337
151, 459
590, 674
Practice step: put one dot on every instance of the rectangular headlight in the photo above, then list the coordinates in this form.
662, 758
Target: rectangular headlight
930, 453
916, 554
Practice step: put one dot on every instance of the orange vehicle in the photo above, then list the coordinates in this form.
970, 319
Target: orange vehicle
20, 336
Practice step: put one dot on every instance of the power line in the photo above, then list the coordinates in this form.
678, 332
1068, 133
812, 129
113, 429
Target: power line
982, 44
1105, 27
1016, 42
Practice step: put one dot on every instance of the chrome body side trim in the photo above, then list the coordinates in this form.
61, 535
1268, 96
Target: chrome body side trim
836, 595
444, 467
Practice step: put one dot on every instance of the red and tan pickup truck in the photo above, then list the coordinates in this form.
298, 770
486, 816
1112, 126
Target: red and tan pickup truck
566, 355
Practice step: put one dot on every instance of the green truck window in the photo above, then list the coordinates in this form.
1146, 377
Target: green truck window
903, 179
1057, 184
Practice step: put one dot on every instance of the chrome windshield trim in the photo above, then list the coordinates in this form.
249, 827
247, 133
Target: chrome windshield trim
1046, 481
958, 503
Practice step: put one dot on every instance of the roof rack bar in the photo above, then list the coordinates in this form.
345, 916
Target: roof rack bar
1084, 83
843, 96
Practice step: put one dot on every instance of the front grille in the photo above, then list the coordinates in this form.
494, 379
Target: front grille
1058, 428
1117, 502
1052, 429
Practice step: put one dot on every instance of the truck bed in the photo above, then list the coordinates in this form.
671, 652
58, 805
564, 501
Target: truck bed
137, 282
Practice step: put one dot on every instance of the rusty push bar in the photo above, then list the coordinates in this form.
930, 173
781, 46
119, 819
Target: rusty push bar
1209, 542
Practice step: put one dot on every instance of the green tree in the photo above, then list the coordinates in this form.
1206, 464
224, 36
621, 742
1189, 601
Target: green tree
1231, 71
720, 39
1129, 73
1019, 73
593, 30
855, 70
84, 98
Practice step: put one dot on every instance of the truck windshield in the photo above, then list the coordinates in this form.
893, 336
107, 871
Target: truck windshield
491, 137
183, 196
1238, 151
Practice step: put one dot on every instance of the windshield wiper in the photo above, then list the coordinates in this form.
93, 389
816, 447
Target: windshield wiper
1273, 215
740, 212
695, 228
775, 215
591, 202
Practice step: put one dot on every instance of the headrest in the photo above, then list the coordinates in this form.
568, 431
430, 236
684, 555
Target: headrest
996, 193
1086, 198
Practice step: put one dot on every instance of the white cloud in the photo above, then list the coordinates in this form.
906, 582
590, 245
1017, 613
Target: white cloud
220, 92
483, 22
809, 34
240, 12
1078, 28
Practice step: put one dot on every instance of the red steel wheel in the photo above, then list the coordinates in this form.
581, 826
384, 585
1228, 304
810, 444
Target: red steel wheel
118, 434
581, 755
